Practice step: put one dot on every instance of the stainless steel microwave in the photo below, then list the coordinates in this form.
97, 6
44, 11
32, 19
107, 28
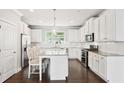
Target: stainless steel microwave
89, 37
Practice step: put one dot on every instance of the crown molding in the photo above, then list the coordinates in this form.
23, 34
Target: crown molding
17, 12
51, 27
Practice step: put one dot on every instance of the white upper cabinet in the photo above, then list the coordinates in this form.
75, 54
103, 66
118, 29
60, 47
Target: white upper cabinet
91, 25
96, 29
86, 28
102, 28
111, 25
120, 25
82, 34
36, 35
74, 35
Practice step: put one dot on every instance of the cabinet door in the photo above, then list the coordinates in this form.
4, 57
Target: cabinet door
87, 28
96, 29
78, 54
71, 53
103, 34
74, 36
102, 66
83, 34
110, 24
95, 63
90, 60
36, 36
120, 24
91, 25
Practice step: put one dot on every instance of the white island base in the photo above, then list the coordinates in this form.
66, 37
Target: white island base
58, 67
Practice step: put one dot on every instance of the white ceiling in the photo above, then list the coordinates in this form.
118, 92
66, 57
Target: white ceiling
64, 17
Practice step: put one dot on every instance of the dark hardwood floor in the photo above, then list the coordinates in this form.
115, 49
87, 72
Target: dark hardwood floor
77, 74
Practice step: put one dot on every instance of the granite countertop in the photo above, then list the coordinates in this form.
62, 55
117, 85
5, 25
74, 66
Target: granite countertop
105, 53
54, 52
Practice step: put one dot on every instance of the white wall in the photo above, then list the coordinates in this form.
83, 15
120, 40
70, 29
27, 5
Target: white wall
10, 16
38, 35
112, 47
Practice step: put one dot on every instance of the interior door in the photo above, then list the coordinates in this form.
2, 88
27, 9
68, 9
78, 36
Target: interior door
8, 46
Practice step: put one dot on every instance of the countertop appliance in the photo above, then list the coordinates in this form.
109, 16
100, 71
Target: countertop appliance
89, 37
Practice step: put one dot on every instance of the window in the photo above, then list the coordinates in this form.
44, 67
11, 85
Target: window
54, 38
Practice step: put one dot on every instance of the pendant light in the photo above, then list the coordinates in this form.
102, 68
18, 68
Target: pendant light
54, 25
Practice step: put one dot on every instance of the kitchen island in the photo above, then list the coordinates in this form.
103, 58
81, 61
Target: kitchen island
58, 66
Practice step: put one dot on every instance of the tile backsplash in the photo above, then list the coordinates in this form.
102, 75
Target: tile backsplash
112, 47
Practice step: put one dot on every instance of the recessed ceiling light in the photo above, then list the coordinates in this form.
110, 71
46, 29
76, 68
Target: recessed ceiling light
31, 10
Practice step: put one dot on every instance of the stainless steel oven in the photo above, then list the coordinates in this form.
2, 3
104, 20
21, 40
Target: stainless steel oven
84, 58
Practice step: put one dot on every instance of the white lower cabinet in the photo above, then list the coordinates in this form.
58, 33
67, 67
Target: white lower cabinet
102, 66
115, 69
90, 60
79, 54
58, 67
74, 53
109, 68
96, 63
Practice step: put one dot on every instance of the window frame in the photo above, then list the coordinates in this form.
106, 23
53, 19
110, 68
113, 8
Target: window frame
53, 41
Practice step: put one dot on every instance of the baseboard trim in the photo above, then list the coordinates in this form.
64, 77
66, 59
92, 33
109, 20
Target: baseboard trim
18, 69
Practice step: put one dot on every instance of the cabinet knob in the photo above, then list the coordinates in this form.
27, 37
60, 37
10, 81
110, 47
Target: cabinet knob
14, 52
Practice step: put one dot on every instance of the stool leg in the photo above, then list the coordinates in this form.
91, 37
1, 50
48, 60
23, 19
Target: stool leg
40, 72
40, 69
29, 71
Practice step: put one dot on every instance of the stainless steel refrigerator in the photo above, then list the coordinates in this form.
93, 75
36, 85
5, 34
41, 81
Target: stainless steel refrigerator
25, 42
